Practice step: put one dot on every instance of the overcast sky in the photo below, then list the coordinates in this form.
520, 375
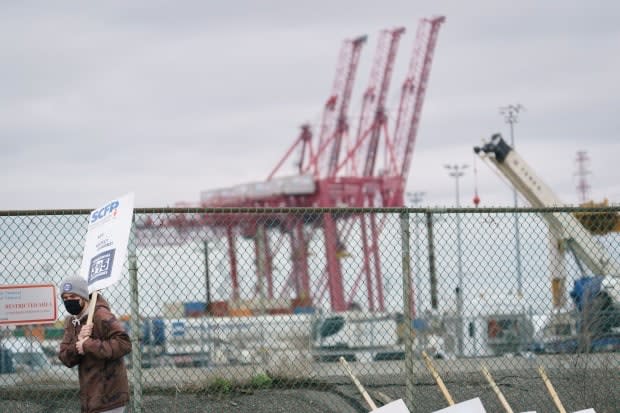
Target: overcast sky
167, 99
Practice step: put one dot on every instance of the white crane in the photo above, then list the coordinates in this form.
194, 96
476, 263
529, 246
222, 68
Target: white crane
565, 228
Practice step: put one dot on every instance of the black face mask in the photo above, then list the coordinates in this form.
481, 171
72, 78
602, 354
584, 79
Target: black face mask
73, 306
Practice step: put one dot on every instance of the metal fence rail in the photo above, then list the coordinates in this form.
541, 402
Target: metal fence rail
273, 297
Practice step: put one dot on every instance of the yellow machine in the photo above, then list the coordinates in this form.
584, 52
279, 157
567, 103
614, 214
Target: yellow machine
598, 222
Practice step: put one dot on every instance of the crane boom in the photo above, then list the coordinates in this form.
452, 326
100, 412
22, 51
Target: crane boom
373, 118
380, 116
413, 92
565, 227
342, 124
334, 122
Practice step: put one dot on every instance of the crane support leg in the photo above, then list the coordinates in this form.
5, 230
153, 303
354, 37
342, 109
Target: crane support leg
336, 291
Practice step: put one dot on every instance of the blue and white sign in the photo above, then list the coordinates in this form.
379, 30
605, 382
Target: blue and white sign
105, 249
397, 406
469, 406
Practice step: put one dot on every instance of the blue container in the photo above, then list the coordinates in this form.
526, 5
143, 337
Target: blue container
419, 324
194, 308
159, 332
6, 361
303, 310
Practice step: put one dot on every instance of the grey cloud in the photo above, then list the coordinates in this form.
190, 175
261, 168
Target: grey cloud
213, 93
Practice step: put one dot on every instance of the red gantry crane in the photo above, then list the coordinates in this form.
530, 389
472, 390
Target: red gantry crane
327, 177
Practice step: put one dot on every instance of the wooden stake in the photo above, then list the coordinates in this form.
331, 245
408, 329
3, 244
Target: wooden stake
91, 307
551, 390
496, 389
442, 387
359, 386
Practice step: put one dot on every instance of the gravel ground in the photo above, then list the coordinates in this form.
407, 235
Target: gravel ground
578, 388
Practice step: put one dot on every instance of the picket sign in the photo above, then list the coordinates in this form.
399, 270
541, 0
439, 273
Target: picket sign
500, 395
498, 392
469, 406
105, 248
357, 383
397, 406
437, 377
551, 390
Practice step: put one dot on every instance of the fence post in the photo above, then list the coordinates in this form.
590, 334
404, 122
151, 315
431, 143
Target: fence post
407, 330
431, 260
261, 269
205, 245
136, 353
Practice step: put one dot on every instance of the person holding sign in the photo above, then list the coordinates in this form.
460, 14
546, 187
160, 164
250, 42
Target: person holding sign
97, 349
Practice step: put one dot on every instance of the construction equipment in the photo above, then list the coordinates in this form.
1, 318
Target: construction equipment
334, 169
597, 294
357, 335
201, 341
598, 222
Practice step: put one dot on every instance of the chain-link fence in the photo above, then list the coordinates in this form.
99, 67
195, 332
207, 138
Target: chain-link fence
229, 301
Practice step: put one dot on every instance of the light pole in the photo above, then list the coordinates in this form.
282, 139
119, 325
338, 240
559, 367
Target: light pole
415, 198
511, 116
457, 171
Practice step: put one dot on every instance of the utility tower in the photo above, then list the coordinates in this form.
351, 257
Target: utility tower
583, 188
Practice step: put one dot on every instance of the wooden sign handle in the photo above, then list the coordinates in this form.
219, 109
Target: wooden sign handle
359, 386
442, 386
551, 390
91, 307
496, 389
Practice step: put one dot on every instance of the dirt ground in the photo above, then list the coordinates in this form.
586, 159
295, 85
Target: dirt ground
524, 391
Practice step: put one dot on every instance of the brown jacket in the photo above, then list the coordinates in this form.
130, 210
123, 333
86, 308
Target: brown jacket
102, 372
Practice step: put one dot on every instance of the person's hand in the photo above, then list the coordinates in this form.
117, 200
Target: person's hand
85, 332
79, 346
